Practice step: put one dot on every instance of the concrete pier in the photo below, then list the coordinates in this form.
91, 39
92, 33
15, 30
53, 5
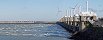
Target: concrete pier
79, 20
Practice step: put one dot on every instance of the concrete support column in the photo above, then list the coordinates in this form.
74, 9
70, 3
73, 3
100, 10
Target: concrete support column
64, 20
68, 20
94, 17
71, 20
61, 20
75, 20
82, 25
75, 23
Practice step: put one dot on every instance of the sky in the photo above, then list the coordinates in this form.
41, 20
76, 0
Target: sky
44, 10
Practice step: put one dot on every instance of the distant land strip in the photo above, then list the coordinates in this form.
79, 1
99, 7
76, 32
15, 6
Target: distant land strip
28, 22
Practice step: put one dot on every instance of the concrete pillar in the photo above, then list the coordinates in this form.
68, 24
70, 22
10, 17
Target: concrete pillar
75, 20
66, 20
94, 17
75, 23
82, 25
70, 20
63, 19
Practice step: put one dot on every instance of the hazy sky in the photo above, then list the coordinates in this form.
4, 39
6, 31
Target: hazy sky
43, 9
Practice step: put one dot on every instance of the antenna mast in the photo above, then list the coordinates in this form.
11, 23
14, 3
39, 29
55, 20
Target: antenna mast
71, 13
87, 5
67, 13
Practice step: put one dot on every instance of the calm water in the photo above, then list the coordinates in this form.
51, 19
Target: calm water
33, 32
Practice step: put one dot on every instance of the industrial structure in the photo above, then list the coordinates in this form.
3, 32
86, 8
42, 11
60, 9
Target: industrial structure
79, 19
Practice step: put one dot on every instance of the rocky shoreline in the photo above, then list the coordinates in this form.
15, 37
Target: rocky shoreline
92, 33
